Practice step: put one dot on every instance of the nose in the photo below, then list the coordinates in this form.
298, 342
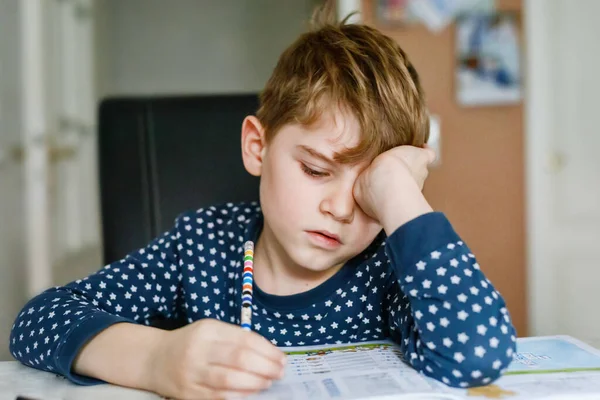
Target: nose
339, 203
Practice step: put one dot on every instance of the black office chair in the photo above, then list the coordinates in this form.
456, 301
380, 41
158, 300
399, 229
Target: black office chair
161, 156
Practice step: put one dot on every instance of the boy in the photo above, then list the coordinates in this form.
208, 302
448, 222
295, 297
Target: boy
347, 249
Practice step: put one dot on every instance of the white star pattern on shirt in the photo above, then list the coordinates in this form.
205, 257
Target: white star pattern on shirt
479, 351
199, 263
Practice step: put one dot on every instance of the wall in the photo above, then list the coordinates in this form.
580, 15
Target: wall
163, 48
190, 46
232, 45
142, 47
12, 254
480, 183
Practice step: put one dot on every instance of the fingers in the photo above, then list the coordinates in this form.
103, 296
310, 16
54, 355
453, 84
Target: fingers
263, 347
232, 334
225, 332
245, 351
203, 392
357, 193
413, 155
224, 378
245, 359
429, 153
230, 395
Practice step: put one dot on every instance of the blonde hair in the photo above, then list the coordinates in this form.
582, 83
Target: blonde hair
352, 67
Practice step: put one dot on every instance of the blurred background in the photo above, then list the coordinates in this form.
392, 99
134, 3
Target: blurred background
511, 84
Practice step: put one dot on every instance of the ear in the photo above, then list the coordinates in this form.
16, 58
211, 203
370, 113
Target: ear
253, 145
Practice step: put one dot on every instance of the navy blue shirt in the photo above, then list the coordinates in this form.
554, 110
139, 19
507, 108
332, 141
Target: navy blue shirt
421, 287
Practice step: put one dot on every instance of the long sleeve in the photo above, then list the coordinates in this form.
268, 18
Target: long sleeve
449, 320
54, 326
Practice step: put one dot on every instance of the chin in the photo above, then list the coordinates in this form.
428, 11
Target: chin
318, 262
319, 268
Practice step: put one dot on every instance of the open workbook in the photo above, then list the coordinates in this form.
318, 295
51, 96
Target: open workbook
554, 367
544, 367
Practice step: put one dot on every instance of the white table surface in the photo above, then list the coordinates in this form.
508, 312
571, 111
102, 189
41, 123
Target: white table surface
17, 379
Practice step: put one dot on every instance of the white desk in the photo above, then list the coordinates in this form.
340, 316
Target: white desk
17, 379
549, 353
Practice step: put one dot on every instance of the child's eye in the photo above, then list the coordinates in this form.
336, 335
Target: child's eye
312, 172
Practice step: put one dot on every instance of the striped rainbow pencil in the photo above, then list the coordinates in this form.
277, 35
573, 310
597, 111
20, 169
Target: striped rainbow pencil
247, 283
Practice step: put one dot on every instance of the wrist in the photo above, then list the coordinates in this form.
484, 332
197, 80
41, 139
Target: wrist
403, 208
122, 354
152, 373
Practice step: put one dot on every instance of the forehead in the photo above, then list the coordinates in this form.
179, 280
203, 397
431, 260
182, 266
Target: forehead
335, 131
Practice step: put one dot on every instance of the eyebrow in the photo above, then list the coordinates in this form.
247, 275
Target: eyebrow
314, 153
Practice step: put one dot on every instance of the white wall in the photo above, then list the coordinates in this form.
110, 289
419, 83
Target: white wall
12, 255
193, 46
142, 47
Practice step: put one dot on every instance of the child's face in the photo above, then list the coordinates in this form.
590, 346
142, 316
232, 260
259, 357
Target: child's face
306, 197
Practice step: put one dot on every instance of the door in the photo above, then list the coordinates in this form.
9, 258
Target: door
73, 182
563, 167
59, 138
12, 274
49, 223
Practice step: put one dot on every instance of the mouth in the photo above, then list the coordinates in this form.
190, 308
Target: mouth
325, 238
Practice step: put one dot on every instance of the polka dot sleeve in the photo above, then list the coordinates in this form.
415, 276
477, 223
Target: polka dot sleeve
54, 326
451, 323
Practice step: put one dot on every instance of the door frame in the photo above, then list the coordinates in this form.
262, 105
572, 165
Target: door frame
538, 112
34, 139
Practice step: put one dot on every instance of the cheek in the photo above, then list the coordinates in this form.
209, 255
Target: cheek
284, 189
366, 230
288, 184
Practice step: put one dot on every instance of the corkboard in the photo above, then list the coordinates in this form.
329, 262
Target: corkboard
480, 183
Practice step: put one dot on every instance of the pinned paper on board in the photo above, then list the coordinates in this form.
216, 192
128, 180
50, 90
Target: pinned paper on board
434, 14
488, 60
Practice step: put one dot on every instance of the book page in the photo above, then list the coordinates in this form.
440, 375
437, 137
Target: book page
369, 370
550, 354
543, 368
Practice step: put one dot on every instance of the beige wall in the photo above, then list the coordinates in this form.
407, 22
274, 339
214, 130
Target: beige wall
480, 183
